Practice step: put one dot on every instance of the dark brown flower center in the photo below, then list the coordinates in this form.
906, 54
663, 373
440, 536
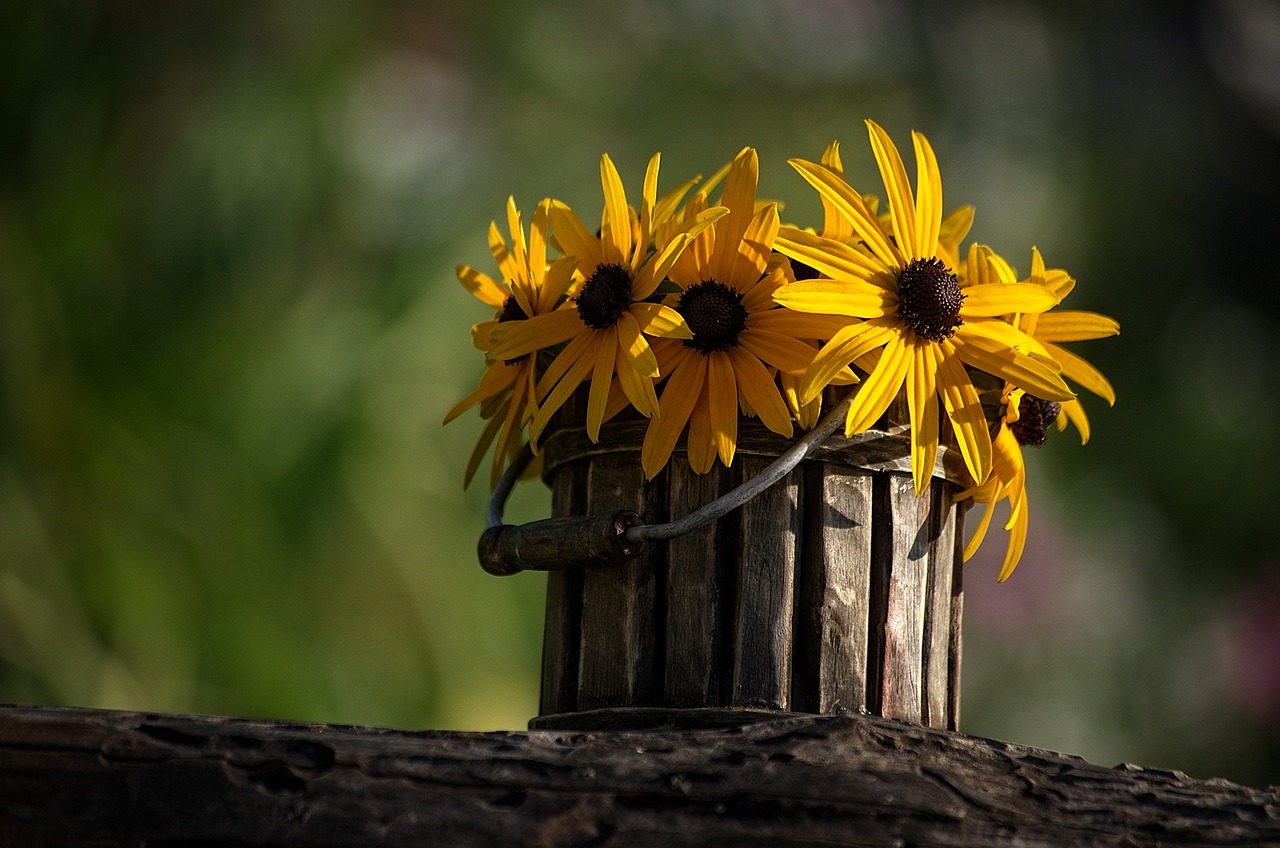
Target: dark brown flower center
929, 299
511, 310
715, 315
1035, 416
604, 296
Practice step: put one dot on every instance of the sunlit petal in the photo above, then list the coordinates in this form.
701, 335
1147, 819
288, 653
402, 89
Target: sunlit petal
760, 391
902, 208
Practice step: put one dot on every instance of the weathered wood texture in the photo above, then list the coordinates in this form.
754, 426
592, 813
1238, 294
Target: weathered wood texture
79, 778
831, 590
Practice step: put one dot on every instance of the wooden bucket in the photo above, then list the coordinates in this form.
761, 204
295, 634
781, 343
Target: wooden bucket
835, 590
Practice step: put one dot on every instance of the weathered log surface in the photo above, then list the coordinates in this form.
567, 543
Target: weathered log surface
75, 777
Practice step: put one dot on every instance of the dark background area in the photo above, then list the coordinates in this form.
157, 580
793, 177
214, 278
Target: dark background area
230, 328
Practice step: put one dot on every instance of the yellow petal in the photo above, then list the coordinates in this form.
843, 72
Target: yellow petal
679, 396
880, 387
739, 198
1017, 542
754, 250
648, 197
615, 222
979, 533
519, 247
574, 240
851, 205
1074, 326
846, 345
757, 386
514, 339
1076, 369
922, 401
658, 320
538, 241
1073, 410
798, 325
482, 445
998, 359
955, 226
638, 389
722, 400
786, 353
991, 300
555, 284
579, 364
482, 286
634, 347
495, 380
964, 409
928, 197
838, 297
902, 209
506, 262
700, 442
831, 258
605, 354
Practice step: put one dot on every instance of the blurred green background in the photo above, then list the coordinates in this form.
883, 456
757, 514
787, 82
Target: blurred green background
229, 330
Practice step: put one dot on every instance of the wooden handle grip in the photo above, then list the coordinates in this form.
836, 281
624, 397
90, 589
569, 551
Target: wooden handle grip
557, 543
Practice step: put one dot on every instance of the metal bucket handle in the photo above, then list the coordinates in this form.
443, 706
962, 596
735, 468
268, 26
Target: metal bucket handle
555, 544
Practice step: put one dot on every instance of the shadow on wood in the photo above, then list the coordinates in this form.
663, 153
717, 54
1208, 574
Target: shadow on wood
76, 777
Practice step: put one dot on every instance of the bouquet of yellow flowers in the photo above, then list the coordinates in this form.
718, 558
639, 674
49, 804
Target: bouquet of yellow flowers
696, 313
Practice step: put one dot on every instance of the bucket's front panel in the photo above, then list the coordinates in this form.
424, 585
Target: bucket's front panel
620, 601
836, 589
835, 583
764, 606
937, 621
696, 594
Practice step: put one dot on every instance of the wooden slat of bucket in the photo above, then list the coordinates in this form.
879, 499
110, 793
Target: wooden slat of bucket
766, 567
904, 581
957, 616
937, 622
619, 601
835, 584
564, 605
694, 644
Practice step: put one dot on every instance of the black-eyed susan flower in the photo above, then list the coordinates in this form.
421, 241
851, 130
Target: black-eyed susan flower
1024, 418
739, 338
611, 313
529, 288
1065, 325
902, 299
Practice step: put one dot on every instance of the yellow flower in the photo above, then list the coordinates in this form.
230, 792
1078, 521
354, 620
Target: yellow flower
955, 224
1063, 325
610, 314
506, 391
738, 335
1024, 418
1008, 478
899, 296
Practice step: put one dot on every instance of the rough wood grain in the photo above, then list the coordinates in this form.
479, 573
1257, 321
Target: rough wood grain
563, 627
766, 569
695, 606
79, 778
835, 581
937, 619
902, 692
957, 619
620, 602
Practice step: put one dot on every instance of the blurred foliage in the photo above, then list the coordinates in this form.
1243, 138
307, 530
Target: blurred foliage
229, 329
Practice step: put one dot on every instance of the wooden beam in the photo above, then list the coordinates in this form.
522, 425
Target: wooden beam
76, 777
